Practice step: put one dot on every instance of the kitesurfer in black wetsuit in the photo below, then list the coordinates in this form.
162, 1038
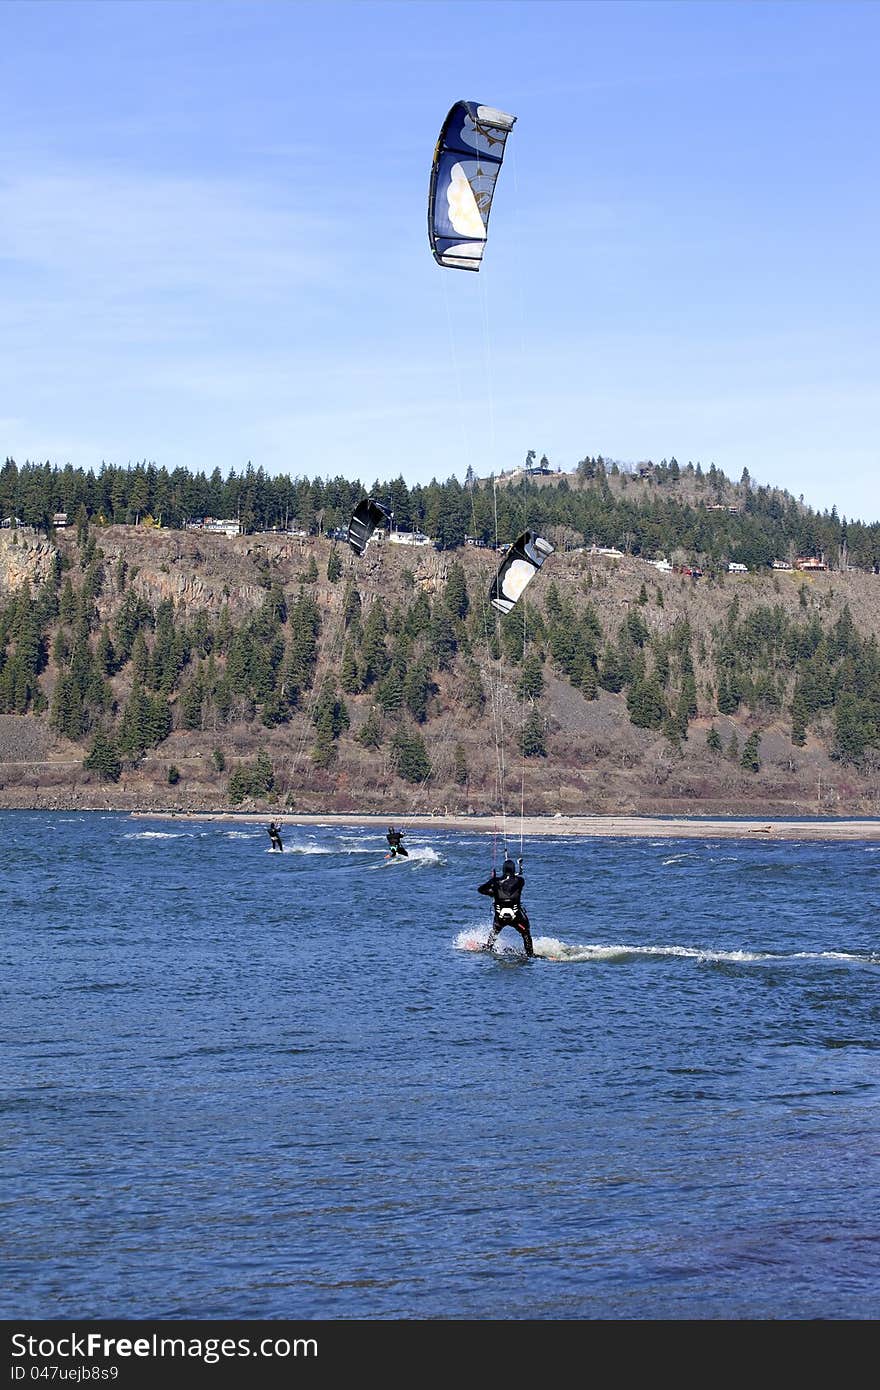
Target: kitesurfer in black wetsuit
275, 836
509, 912
394, 838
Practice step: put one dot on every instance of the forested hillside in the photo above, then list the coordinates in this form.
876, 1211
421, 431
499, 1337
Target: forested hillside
702, 514
151, 666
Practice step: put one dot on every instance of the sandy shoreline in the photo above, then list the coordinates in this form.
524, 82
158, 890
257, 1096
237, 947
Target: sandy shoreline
622, 827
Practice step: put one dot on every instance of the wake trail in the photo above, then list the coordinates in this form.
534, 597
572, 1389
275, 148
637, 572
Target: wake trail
552, 949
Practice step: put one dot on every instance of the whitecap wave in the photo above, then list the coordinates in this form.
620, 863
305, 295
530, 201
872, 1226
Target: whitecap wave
425, 855
549, 948
157, 835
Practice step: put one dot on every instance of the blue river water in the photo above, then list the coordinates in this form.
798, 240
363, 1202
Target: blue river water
239, 1084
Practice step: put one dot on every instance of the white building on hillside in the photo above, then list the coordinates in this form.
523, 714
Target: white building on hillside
410, 538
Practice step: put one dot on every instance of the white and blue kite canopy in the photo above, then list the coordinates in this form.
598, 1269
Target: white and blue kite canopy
466, 165
518, 568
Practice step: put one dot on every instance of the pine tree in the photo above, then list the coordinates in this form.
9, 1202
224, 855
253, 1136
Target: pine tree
263, 660
672, 730
67, 603
104, 654
67, 714
611, 671
662, 668
589, 683
409, 757
374, 654
856, 727
750, 760
456, 595
301, 655
334, 566
417, 689
191, 701
389, 692
460, 771
133, 725
158, 721
681, 714
636, 629
713, 740
141, 660
262, 775
103, 758
324, 750
134, 617
441, 637
239, 785
564, 645
410, 625
472, 692
532, 741
531, 681
371, 730
239, 662
349, 675
726, 698
330, 714
223, 632
93, 581
688, 695
645, 703
222, 698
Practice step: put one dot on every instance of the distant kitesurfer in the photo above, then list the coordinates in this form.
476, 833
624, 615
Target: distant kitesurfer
394, 838
274, 834
509, 912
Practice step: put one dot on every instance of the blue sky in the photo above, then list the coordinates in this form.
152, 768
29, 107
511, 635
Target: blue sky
213, 240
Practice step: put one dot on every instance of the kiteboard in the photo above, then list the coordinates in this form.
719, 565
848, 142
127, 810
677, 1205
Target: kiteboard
509, 956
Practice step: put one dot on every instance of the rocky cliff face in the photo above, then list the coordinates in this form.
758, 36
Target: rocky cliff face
25, 558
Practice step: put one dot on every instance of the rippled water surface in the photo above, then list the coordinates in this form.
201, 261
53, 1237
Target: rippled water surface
240, 1084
